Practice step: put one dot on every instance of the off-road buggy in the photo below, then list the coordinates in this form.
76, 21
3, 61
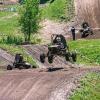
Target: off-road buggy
58, 47
19, 63
86, 30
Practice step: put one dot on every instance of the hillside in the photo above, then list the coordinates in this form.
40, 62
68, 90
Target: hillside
88, 10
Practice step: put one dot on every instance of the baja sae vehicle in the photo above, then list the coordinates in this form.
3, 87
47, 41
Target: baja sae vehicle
58, 47
19, 63
86, 30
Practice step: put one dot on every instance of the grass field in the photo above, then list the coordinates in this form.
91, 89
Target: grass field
88, 51
89, 89
5, 13
9, 25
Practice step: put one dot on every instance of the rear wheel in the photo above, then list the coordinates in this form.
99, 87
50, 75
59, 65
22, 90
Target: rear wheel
9, 67
67, 56
42, 58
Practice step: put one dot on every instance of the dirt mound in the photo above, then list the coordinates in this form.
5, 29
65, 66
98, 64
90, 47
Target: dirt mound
50, 27
36, 50
3, 63
88, 10
5, 58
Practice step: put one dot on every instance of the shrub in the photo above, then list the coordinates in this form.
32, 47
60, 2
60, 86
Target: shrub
10, 39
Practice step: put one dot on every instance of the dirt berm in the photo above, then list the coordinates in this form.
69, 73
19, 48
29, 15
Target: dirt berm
5, 58
36, 50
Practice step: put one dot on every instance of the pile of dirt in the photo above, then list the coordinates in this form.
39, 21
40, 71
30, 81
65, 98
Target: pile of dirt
88, 10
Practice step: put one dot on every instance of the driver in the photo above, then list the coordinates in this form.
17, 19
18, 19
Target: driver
18, 58
59, 42
86, 29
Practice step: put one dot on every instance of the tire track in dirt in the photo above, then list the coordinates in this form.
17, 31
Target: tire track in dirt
39, 85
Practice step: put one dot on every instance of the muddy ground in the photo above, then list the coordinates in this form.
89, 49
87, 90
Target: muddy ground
39, 84
44, 83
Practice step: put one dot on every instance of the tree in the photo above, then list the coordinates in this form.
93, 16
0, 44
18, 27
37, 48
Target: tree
29, 18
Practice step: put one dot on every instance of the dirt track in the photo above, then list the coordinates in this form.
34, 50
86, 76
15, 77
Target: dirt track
38, 85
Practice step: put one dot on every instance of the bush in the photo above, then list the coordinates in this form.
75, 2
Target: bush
59, 10
12, 40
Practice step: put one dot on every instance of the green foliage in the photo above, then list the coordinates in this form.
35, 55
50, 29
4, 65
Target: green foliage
59, 10
36, 39
88, 51
10, 39
9, 25
90, 88
10, 32
29, 15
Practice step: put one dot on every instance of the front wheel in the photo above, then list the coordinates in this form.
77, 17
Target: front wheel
9, 67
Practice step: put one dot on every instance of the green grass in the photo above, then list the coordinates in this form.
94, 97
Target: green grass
88, 51
13, 49
5, 13
59, 10
9, 26
90, 88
